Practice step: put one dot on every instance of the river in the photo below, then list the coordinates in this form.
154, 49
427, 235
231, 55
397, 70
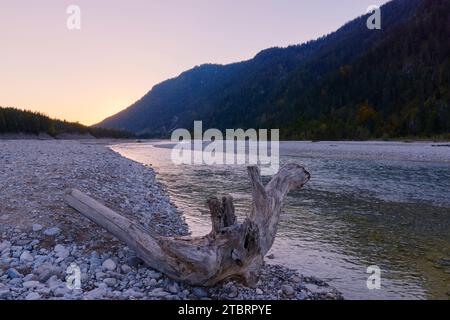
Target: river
368, 203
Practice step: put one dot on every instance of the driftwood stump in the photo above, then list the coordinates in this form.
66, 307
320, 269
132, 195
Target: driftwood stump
232, 250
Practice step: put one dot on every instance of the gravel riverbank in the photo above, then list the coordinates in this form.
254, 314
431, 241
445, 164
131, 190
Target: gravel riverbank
40, 237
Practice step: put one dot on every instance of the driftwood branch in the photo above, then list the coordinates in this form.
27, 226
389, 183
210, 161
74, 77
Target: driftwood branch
231, 250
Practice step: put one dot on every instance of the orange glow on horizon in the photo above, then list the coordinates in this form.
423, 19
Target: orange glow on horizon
124, 48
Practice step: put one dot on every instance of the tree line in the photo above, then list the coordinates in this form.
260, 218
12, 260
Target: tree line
13, 120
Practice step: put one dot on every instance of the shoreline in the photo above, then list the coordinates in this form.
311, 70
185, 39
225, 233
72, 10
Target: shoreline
85, 137
40, 236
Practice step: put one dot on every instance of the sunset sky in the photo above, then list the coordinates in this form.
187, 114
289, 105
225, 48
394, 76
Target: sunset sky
126, 47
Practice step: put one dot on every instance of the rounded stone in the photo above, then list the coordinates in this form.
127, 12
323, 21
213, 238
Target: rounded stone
52, 232
109, 264
33, 296
288, 290
26, 257
37, 227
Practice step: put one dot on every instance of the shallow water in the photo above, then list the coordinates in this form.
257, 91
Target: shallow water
368, 203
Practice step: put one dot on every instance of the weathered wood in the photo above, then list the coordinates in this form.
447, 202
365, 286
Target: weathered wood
268, 200
231, 250
222, 214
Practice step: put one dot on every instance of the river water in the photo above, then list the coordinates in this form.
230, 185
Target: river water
368, 203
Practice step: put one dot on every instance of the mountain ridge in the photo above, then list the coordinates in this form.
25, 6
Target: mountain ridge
269, 90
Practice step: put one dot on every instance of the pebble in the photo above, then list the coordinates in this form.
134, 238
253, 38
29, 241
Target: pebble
33, 296
26, 257
174, 288
43, 291
95, 294
52, 232
5, 245
233, 292
159, 294
31, 284
61, 252
126, 268
61, 291
54, 283
154, 275
37, 227
5, 293
135, 294
29, 277
46, 271
302, 296
13, 273
109, 264
200, 292
110, 282
288, 290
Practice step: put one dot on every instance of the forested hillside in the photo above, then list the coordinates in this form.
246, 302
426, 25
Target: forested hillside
400, 87
355, 83
18, 121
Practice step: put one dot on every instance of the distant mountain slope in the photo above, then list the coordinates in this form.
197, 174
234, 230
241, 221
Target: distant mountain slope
353, 83
400, 87
19, 121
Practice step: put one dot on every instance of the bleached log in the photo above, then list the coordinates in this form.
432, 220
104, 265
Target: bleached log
231, 250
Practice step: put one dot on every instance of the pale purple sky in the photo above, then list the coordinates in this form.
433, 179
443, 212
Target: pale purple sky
126, 47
